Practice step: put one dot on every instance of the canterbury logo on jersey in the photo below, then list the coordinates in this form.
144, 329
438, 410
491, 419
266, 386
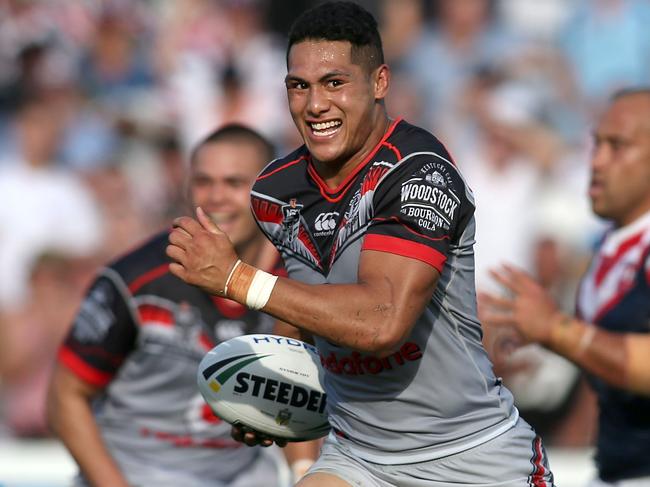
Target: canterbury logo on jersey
325, 224
357, 364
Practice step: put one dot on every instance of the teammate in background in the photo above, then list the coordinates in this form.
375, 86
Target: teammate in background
375, 225
124, 398
610, 336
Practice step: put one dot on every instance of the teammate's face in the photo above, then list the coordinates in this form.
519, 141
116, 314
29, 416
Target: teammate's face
620, 165
334, 102
220, 182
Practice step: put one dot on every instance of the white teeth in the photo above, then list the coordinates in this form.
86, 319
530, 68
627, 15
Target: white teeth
325, 125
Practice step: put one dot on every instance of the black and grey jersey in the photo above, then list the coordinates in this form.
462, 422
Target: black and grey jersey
140, 334
437, 394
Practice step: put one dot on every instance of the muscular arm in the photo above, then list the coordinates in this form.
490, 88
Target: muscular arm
373, 315
70, 417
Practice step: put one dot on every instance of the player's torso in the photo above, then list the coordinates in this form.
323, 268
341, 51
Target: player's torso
152, 405
320, 233
615, 295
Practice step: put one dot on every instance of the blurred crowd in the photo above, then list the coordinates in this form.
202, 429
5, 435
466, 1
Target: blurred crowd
100, 101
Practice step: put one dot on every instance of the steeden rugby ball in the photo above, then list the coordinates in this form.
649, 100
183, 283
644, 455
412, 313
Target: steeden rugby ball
269, 383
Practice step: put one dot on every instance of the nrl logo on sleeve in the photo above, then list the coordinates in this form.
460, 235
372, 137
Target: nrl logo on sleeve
291, 219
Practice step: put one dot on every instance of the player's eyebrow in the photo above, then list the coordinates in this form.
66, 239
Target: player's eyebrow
325, 77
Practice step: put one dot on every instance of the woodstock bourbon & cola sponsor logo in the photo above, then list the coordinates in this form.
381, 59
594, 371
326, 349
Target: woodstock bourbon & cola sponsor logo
427, 197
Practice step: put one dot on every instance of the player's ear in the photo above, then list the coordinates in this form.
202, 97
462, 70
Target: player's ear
381, 81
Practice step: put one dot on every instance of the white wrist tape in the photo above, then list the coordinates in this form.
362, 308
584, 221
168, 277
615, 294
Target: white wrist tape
260, 289
232, 271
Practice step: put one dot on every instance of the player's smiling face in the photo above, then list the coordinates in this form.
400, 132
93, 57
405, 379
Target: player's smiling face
334, 101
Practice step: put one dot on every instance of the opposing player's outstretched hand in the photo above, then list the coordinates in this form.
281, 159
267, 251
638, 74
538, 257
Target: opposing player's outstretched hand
527, 306
252, 438
202, 254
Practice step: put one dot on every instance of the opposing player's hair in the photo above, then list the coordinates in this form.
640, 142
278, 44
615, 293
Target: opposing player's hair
341, 21
636, 90
630, 91
235, 132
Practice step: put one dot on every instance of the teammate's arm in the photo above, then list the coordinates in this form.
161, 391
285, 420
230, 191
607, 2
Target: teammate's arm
620, 359
70, 417
373, 315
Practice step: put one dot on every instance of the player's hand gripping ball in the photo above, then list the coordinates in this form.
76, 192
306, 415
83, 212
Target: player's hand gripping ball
268, 383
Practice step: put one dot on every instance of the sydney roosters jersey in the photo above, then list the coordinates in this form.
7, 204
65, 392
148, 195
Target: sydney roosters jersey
142, 332
615, 295
437, 394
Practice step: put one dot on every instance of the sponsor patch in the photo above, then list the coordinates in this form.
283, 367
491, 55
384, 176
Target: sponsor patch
95, 316
427, 198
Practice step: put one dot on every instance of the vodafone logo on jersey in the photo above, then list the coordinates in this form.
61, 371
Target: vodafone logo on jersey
358, 364
325, 223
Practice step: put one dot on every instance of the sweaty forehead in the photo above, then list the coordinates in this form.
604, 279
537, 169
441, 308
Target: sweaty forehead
311, 55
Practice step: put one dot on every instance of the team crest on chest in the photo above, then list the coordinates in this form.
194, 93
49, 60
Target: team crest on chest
291, 219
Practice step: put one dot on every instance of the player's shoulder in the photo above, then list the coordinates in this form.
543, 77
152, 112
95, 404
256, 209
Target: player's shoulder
146, 258
294, 161
412, 141
422, 155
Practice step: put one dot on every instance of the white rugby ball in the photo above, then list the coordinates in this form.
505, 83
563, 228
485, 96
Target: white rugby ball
269, 383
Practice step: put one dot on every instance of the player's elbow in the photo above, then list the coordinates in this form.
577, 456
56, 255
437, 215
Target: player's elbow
385, 339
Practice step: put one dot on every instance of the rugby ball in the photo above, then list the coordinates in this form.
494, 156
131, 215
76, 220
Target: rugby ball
269, 383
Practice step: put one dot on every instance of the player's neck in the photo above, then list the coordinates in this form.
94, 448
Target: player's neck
335, 172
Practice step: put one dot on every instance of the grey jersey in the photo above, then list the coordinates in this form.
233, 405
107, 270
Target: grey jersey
141, 333
437, 394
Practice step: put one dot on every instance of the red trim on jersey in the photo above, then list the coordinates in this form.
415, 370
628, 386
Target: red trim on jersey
394, 149
266, 211
148, 276
326, 191
83, 370
539, 469
406, 248
281, 168
152, 314
607, 262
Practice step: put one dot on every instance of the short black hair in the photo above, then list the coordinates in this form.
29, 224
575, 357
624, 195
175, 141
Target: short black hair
341, 21
236, 132
629, 91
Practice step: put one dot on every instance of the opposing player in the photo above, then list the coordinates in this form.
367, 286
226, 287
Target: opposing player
610, 337
375, 225
124, 398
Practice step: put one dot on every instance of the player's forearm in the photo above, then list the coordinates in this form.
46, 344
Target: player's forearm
620, 359
358, 316
72, 420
